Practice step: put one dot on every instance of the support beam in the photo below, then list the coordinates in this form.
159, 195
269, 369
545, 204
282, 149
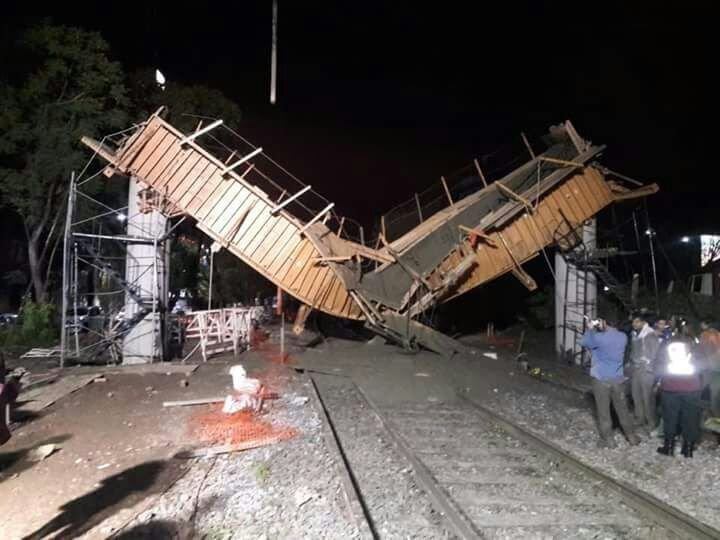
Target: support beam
476, 232
196, 134
518, 271
480, 173
336, 258
563, 162
510, 193
636, 193
301, 318
290, 199
447, 191
419, 209
241, 161
527, 145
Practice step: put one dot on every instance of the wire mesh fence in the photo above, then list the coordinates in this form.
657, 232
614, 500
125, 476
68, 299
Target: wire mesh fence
458, 185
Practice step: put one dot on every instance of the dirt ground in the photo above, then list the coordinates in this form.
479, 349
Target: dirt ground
116, 471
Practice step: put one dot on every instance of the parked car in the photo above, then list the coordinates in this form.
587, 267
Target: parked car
8, 319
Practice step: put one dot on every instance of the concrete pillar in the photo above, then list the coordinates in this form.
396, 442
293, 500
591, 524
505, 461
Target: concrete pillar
145, 269
575, 296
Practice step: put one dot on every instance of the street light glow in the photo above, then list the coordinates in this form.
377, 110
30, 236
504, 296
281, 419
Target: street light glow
685, 239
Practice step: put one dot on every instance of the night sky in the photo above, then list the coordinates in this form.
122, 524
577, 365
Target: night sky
378, 99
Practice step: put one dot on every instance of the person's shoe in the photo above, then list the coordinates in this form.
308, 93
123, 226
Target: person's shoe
687, 449
668, 448
605, 444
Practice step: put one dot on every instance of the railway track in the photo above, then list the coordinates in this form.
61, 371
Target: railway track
490, 478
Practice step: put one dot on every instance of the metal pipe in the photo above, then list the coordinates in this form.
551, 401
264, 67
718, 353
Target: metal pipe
317, 217
195, 135
289, 200
75, 306
273, 55
119, 238
242, 160
65, 284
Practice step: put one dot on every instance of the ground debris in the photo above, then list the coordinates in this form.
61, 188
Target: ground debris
42, 452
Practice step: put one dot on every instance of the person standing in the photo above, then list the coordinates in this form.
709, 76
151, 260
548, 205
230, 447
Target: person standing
607, 348
644, 348
681, 386
710, 349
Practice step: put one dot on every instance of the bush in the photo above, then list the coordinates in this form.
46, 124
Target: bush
37, 328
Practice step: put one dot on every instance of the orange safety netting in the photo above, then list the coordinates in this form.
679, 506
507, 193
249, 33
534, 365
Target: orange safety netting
217, 427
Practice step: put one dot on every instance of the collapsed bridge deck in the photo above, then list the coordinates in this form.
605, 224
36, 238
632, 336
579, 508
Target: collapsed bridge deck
472, 241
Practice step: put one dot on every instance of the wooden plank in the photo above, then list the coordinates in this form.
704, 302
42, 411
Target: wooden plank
212, 178
181, 161
271, 241
183, 168
306, 277
577, 198
179, 187
229, 448
220, 187
225, 208
264, 230
159, 163
237, 216
256, 218
151, 154
336, 300
284, 245
227, 220
203, 170
130, 157
300, 268
190, 402
289, 267
283, 257
319, 293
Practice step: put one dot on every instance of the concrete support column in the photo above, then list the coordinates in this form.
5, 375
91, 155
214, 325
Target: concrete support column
575, 296
145, 269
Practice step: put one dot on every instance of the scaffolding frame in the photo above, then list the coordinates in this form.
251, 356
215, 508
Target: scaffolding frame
95, 244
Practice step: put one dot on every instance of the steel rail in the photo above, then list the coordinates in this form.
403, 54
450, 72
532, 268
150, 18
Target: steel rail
443, 503
356, 504
656, 510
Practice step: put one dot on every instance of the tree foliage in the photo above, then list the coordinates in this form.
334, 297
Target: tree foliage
70, 88
184, 102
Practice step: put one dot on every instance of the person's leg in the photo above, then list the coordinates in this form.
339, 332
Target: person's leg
671, 404
638, 398
601, 392
621, 408
715, 393
690, 418
648, 385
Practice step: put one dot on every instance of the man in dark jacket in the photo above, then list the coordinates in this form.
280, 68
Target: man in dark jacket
644, 348
680, 382
607, 347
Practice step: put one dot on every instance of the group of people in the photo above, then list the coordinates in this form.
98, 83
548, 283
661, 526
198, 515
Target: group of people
665, 360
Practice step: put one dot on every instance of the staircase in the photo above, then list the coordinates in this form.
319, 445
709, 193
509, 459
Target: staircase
145, 305
238, 202
594, 261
